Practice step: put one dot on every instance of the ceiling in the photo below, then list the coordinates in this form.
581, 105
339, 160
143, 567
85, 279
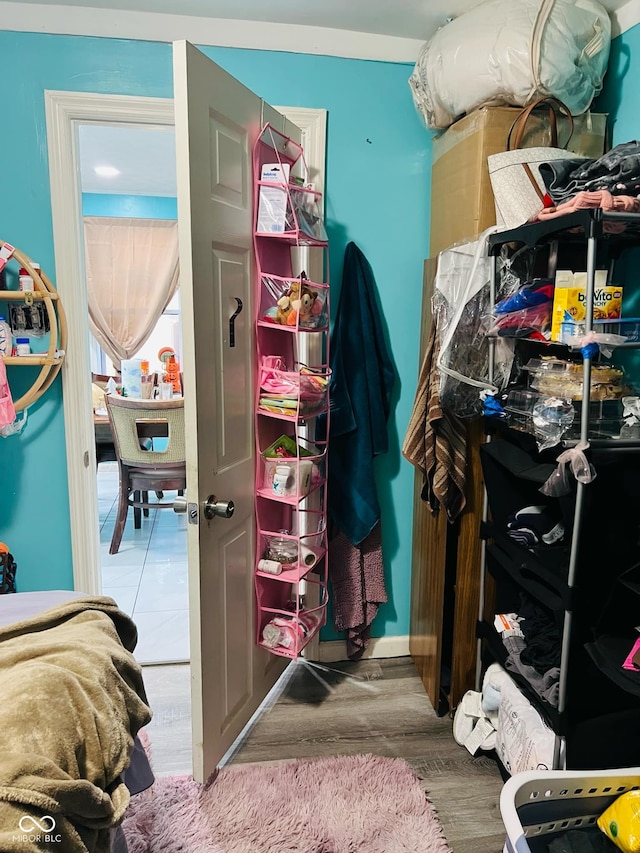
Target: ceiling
412, 19
146, 158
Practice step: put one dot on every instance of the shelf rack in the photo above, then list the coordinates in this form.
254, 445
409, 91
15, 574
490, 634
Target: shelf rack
578, 587
292, 349
50, 361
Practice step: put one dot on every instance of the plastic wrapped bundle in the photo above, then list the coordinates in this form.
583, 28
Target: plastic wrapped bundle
503, 52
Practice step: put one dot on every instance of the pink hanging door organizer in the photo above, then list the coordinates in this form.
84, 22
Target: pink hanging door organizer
292, 322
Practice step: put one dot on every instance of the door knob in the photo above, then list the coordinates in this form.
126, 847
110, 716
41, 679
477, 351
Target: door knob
180, 504
222, 509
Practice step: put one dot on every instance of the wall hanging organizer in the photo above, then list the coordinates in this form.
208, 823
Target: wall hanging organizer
292, 399
37, 311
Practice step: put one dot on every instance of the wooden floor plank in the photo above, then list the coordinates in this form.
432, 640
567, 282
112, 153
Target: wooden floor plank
374, 706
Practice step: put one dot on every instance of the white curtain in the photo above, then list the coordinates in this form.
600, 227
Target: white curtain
132, 273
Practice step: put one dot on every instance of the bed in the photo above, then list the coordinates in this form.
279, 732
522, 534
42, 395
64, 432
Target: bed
72, 704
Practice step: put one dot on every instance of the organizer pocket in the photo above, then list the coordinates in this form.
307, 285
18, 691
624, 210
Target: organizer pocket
513, 478
621, 613
545, 581
305, 384
527, 573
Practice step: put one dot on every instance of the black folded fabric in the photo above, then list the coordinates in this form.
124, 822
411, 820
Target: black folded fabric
619, 163
617, 171
558, 177
542, 636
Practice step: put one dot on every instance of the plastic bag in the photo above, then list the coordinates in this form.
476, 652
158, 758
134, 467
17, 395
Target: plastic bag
523, 740
593, 342
461, 302
16, 427
572, 464
621, 822
552, 417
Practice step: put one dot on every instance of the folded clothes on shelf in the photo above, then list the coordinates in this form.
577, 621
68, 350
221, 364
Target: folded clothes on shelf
533, 322
536, 292
534, 525
305, 383
288, 405
616, 173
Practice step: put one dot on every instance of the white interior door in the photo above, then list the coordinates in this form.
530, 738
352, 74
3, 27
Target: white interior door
217, 121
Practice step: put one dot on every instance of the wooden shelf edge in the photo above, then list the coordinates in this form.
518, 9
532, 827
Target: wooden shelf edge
33, 360
23, 295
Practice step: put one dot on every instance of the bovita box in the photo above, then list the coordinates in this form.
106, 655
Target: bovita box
569, 309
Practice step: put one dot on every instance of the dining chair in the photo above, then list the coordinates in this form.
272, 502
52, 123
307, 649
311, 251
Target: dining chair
143, 471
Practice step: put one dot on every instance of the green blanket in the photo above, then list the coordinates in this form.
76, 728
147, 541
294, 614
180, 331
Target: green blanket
71, 701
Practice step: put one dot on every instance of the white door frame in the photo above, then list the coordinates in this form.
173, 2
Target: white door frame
64, 111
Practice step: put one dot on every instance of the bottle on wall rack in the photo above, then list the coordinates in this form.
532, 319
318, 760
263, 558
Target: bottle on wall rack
23, 346
25, 280
6, 343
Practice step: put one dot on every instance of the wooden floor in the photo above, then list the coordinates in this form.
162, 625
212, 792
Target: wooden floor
374, 706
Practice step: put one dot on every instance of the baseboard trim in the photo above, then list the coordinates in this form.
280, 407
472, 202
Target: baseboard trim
379, 647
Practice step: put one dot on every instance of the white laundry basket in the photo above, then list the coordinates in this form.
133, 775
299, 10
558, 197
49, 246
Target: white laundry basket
535, 806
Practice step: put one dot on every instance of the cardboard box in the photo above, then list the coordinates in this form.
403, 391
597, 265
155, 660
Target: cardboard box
461, 198
569, 311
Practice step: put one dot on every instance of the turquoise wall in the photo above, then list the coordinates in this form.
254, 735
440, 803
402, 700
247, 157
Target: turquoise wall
621, 95
378, 173
131, 206
621, 99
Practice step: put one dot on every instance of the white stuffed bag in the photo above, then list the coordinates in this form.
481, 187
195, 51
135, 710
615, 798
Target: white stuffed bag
503, 52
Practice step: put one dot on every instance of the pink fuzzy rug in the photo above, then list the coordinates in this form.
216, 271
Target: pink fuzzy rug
362, 803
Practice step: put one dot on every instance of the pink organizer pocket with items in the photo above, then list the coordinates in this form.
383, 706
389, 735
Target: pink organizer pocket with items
304, 384
7, 410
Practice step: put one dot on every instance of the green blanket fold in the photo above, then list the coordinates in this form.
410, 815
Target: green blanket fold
72, 700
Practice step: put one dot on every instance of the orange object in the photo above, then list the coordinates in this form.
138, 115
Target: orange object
172, 374
4, 549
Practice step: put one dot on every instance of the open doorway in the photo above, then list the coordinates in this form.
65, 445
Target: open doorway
128, 186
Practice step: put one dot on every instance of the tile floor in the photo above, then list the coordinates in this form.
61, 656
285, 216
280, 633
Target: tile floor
148, 575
